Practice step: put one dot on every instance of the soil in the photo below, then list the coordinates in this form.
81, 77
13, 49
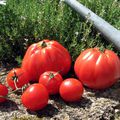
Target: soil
94, 105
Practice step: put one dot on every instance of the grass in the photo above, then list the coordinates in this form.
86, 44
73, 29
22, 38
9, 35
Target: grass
23, 22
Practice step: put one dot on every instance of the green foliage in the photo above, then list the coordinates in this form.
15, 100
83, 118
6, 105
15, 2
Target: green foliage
23, 22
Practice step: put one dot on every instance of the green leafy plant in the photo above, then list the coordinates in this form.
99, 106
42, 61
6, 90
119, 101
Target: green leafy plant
25, 22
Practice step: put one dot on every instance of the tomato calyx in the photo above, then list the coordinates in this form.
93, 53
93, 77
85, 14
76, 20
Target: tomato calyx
52, 75
102, 49
15, 78
43, 45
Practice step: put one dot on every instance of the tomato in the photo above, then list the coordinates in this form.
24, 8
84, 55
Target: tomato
3, 93
51, 80
18, 76
35, 97
97, 69
44, 56
71, 90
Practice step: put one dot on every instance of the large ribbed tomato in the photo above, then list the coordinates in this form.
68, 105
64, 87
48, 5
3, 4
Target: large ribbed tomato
44, 56
97, 69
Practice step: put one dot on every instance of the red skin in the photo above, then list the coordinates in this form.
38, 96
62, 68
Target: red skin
97, 69
3, 92
22, 75
52, 84
35, 97
39, 59
71, 90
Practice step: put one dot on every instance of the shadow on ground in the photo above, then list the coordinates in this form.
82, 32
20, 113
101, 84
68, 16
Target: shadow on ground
8, 106
82, 103
112, 93
48, 111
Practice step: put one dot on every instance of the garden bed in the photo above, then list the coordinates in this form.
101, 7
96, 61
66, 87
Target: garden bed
94, 105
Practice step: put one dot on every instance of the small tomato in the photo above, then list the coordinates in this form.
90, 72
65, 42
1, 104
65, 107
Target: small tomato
71, 90
3, 93
17, 78
52, 81
35, 97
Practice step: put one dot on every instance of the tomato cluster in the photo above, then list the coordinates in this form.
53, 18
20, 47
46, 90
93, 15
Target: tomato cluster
46, 62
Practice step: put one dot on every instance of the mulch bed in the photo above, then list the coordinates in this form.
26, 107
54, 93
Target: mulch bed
94, 105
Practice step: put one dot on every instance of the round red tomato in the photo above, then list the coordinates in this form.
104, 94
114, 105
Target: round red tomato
17, 77
97, 69
3, 93
35, 97
51, 80
44, 56
71, 90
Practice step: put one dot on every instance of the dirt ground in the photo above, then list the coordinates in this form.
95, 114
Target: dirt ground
94, 105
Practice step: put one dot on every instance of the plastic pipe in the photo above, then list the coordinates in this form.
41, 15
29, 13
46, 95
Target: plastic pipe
110, 33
